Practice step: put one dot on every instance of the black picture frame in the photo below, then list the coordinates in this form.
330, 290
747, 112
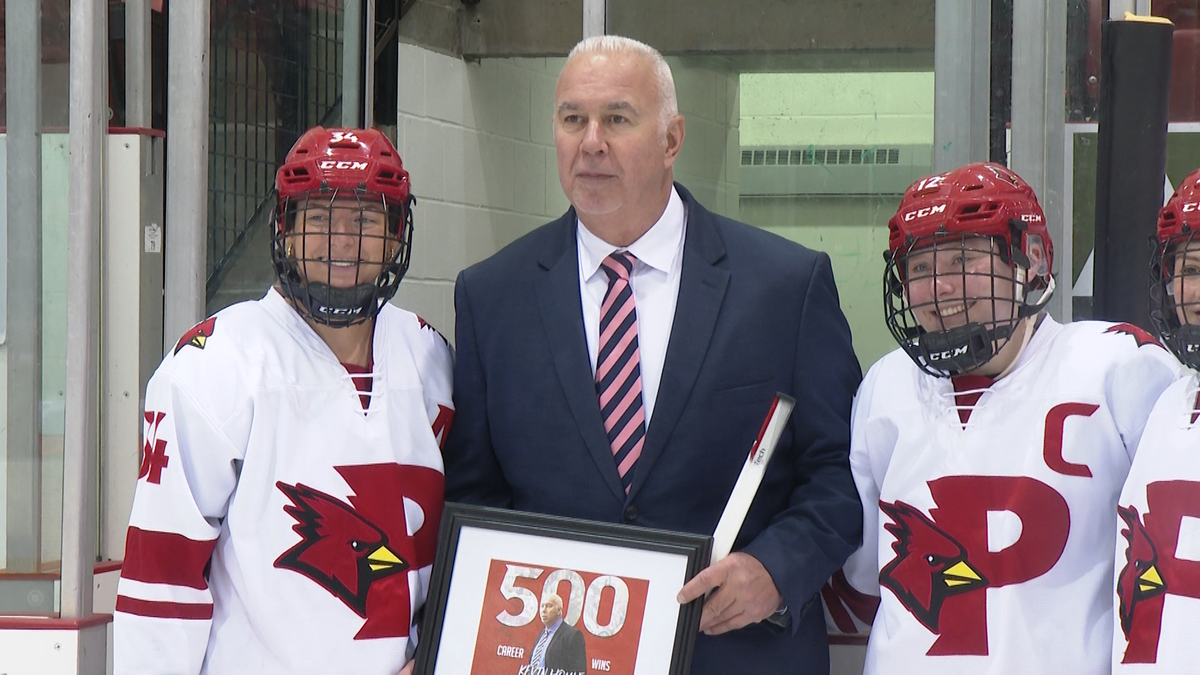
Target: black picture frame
470, 533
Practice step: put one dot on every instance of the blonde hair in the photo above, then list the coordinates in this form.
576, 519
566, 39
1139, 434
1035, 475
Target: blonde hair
618, 45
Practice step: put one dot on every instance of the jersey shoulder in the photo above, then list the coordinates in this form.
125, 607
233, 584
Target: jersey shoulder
1100, 356
226, 355
410, 336
234, 333
893, 379
1176, 406
1105, 340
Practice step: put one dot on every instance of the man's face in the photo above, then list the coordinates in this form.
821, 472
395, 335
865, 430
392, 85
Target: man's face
957, 282
1185, 283
551, 610
614, 158
344, 243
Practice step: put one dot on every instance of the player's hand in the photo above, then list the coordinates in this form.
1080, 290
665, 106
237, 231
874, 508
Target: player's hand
407, 670
745, 594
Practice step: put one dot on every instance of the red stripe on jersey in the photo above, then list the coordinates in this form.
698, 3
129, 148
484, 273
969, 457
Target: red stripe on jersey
863, 605
166, 558
841, 617
198, 611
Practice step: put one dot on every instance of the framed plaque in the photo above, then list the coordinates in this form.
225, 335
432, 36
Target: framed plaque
500, 575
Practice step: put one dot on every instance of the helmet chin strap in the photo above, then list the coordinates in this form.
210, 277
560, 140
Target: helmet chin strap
1032, 310
1027, 325
339, 307
1029, 315
1184, 341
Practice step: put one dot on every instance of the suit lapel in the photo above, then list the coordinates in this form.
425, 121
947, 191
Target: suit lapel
558, 297
701, 290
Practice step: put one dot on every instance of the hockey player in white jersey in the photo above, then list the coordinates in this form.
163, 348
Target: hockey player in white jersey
1157, 580
989, 449
291, 485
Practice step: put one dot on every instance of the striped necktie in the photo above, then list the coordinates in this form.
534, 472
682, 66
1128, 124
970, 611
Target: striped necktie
618, 368
539, 650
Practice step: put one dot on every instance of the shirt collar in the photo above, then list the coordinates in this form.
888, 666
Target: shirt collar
656, 248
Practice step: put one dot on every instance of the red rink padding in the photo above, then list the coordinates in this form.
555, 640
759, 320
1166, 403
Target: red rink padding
52, 622
166, 558
165, 610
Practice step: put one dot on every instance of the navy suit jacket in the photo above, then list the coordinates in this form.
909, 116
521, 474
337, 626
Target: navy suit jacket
755, 314
567, 651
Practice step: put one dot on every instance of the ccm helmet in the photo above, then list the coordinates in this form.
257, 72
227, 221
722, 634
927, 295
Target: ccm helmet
979, 212
332, 170
1175, 312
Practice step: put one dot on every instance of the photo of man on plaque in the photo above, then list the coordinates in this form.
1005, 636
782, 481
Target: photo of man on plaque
559, 649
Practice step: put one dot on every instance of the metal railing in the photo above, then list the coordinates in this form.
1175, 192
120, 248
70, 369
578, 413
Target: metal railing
276, 70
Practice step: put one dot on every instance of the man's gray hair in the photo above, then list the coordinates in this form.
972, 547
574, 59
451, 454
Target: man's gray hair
616, 44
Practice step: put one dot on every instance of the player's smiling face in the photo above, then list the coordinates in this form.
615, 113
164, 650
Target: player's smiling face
959, 281
342, 243
1185, 283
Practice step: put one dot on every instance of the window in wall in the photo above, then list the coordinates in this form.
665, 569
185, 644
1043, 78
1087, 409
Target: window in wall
273, 75
824, 160
828, 118
1183, 132
31, 475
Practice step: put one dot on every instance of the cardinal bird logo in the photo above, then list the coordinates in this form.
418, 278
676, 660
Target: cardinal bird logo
338, 549
1139, 578
929, 566
1142, 337
197, 335
360, 548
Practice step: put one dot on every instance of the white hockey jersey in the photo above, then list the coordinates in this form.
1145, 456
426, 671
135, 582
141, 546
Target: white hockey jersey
989, 522
1157, 572
277, 526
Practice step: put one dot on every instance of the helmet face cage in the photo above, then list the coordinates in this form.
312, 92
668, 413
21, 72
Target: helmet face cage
1175, 312
967, 326
339, 254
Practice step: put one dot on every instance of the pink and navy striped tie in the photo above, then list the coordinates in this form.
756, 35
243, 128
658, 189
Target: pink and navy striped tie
618, 368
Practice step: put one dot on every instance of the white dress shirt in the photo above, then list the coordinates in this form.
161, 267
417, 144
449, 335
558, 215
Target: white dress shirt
655, 283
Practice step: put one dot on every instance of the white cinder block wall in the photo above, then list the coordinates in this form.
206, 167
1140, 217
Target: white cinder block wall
478, 141
707, 87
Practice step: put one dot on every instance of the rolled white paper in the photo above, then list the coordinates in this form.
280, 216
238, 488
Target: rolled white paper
751, 476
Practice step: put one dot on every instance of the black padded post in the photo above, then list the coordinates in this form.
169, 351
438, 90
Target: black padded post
1135, 78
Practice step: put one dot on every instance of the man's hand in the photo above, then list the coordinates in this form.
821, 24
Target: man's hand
745, 594
407, 670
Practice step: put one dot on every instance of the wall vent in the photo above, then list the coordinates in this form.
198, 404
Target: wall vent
832, 170
799, 157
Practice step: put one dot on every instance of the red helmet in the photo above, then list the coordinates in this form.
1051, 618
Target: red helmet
982, 199
1181, 216
342, 165
949, 212
331, 159
1178, 226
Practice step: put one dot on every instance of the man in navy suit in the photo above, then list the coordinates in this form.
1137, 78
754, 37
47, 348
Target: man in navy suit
617, 364
560, 648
